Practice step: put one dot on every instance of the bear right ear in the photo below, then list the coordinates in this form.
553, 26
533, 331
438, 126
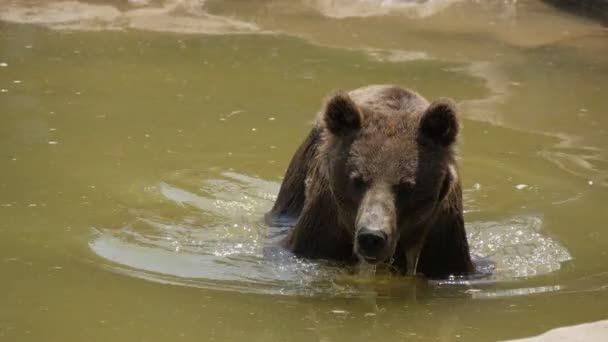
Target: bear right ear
341, 115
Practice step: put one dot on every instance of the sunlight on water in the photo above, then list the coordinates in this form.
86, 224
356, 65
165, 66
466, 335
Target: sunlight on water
213, 238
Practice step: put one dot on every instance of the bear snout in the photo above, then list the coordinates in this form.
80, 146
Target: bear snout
371, 244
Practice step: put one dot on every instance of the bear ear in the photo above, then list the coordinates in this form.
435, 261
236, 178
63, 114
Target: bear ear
439, 122
341, 115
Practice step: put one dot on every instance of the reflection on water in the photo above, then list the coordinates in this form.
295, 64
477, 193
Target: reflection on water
514, 292
179, 16
370, 8
214, 238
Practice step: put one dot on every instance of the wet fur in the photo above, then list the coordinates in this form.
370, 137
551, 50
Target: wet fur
322, 219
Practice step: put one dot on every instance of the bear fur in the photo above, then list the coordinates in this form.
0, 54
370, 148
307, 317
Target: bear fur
376, 180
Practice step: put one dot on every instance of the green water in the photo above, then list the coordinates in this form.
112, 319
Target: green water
140, 145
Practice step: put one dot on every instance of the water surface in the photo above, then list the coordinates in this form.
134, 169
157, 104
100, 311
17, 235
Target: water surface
141, 142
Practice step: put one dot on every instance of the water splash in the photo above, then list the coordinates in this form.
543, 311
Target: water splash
517, 246
366, 270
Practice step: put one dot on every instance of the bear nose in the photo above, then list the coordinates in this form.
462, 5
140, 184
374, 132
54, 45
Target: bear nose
371, 242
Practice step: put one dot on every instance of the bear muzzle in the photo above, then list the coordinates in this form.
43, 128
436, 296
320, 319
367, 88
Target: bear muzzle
375, 225
371, 245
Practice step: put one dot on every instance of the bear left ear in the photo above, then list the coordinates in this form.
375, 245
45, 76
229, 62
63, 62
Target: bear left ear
341, 115
439, 122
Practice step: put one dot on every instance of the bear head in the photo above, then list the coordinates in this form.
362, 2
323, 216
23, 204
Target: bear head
390, 164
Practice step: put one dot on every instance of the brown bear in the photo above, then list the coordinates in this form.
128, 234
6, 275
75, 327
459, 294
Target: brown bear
376, 180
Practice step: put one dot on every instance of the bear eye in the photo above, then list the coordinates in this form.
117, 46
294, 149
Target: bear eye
358, 183
403, 189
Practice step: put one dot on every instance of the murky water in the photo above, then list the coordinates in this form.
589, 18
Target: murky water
141, 141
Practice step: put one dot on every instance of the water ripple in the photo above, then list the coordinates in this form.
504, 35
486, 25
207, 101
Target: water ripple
210, 235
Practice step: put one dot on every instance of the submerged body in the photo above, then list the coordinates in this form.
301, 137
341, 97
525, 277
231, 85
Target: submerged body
376, 180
